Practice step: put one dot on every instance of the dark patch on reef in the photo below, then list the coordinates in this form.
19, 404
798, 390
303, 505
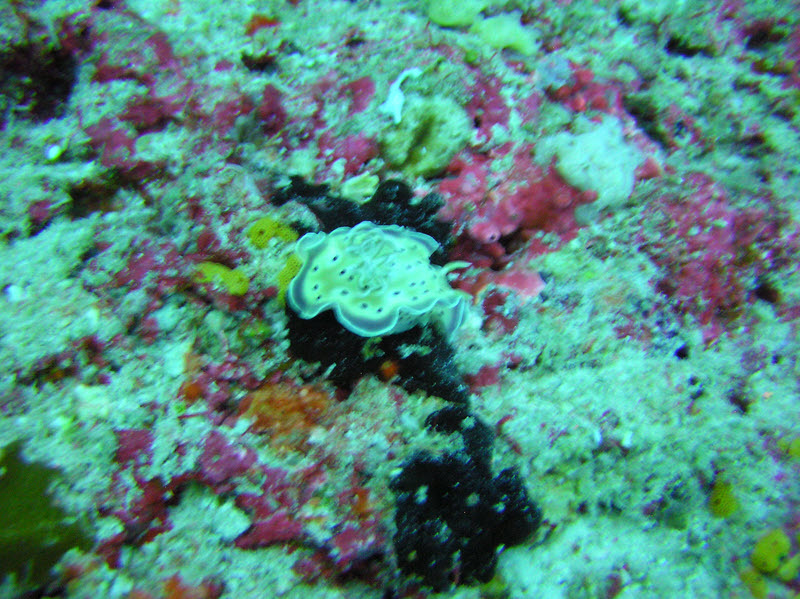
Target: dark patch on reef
452, 517
331, 211
645, 112
429, 366
686, 48
391, 204
322, 339
37, 78
260, 63
423, 358
36, 530
477, 436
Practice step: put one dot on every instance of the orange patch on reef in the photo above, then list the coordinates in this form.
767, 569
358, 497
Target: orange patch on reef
258, 21
287, 412
191, 391
360, 502
175, 588
389, 370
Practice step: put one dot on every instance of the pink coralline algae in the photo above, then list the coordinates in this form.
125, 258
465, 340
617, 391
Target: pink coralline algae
280, 514
357, 545
221, 460
357, 542
134, 445
153, 64
144, 515
273, 513
496, 223
219, 466
160, 269
271, 112
713, 253
487, 107
580, 92
528, 199
117, 150
149, 264
151, 113
227, 110
355, 150
360, 91
524, 282
487, 376
40, 214
278, 527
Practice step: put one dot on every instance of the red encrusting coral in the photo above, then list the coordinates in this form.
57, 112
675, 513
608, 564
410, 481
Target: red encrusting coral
271, 111
117, 150
493, 222
360, 92
581, 93
355, 150
134, 445
713, 252
529, 198
221, 460
487, 107
150, 113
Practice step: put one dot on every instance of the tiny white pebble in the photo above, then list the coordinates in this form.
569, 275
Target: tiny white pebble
14, 294
627, 440
53, 152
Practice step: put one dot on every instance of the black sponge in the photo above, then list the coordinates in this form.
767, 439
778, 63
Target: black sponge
451, 519
391, 204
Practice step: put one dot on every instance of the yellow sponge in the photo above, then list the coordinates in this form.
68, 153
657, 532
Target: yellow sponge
793, 448
722, 502
789, 569
505, 31
770, 549
264, 229
454, 13
287, 273
233, 280
755, 583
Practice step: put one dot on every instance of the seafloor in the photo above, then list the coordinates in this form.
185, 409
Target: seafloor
602, 400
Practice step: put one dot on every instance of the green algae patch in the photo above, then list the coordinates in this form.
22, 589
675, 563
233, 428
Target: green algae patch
505, 32
34, 531
454, 13
431, 132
